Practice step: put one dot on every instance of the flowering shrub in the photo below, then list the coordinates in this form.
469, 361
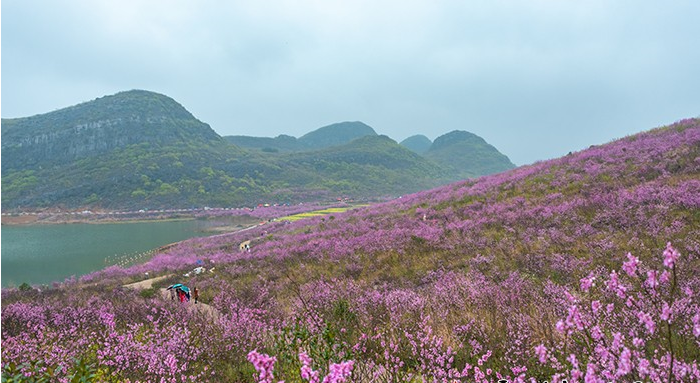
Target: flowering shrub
642, 323
265, 366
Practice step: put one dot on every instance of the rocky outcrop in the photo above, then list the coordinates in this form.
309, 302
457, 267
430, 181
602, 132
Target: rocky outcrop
97, 127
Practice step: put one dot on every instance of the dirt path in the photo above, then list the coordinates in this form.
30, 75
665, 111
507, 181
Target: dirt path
165, 294
200, 307
145, 284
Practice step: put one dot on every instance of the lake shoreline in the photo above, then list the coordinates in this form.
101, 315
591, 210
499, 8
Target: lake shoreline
45, 253
31, 219
28, 220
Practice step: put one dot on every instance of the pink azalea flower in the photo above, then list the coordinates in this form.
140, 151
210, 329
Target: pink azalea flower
630, 267
646, 320
670, 256
541, 352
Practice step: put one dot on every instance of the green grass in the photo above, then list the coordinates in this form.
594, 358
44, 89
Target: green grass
317, 213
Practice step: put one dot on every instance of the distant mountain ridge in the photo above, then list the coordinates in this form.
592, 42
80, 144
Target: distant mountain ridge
282, 143
336, 134
418, 143
143, 149
462, 154
467, 155
331, 135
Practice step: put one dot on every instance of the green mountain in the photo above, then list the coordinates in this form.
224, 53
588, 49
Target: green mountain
460, 154
98, 127
467, 155
281, 143
418, 143
134, 148
140, 149
324, 137
335, 134
372, 162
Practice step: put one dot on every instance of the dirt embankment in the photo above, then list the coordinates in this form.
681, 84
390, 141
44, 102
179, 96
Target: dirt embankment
37, 219
211, 223
19, 219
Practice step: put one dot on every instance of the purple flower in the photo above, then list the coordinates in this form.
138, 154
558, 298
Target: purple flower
646, 320
306, 371
665, 277
586, 283
574, 318
666, 312
264, 365
615, 285
572, 359
630, 267
339, 372
643, 366
625, 365
637, 342
652, 279
561, 326
670, 256
591, 376
541, 352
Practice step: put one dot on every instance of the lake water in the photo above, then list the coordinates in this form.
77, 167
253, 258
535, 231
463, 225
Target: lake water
41, 254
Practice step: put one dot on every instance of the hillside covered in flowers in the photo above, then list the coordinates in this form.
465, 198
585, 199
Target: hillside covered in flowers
582, 268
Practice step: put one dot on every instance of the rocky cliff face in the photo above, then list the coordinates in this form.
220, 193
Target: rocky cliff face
98, 127
79, 140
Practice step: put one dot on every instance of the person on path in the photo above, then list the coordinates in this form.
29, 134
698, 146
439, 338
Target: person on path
195, 292
172, 294
181, 295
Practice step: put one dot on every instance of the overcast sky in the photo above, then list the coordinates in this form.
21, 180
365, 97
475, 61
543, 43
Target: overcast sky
535, 78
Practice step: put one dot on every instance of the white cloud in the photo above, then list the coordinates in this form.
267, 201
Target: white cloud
535, 78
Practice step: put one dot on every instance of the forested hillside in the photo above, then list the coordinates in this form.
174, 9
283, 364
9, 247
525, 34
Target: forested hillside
466, 155
331, 135
418, 143
143, 150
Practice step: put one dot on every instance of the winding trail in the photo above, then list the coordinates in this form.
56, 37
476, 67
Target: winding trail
165, 294
145, 284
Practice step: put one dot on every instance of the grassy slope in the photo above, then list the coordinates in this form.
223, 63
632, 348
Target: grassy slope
476, 265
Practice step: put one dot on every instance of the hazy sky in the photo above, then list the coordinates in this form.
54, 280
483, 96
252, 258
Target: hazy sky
535, 78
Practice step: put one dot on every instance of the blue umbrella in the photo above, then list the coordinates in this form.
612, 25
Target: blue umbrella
183, 288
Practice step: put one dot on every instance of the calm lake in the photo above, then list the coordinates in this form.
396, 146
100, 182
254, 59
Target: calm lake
41, 254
